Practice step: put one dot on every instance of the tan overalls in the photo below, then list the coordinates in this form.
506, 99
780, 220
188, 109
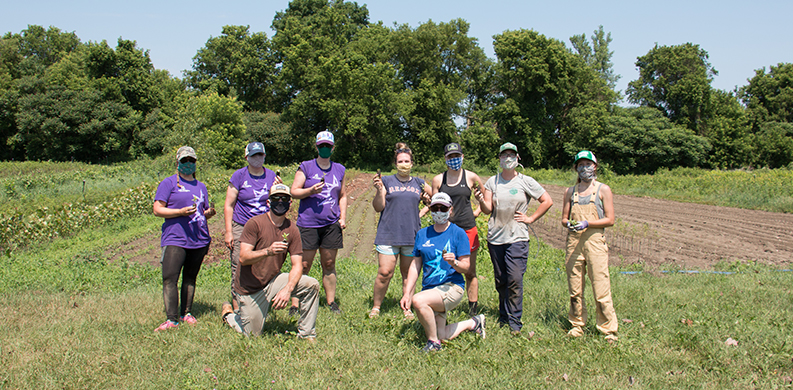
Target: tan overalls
588, 248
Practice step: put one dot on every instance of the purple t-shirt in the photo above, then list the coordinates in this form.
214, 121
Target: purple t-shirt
320, 210
190, 232
399, 220
252, 195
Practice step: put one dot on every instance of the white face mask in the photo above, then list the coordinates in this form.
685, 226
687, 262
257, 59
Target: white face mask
586, 173
509, 162
440, 217
256, 161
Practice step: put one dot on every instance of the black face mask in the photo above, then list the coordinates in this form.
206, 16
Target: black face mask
279, 208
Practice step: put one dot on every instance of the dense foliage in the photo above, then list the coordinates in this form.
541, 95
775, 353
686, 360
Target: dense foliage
327, 66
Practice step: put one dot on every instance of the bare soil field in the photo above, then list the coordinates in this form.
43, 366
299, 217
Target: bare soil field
653, 232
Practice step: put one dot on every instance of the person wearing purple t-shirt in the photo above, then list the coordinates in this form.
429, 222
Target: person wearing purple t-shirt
246, 197
319, 184
397, 200
184, 203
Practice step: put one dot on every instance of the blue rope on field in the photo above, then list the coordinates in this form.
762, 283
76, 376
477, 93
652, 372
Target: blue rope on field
697, 272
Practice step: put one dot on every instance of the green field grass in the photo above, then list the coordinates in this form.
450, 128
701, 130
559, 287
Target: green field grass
72, 319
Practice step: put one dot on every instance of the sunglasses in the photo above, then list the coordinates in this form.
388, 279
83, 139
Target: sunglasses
403, 151
440, 208
187, 159
280, 198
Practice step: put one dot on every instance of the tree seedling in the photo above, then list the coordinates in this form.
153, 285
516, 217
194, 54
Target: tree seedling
378, 174
285, 236
278, 173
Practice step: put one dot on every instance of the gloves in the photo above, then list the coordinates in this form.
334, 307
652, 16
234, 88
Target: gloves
581, 226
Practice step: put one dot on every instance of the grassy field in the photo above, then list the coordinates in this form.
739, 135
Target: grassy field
73, 319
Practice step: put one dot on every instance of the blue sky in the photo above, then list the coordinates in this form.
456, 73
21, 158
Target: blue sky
740, 36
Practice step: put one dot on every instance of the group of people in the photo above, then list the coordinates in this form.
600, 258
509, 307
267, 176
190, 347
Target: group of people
259, 236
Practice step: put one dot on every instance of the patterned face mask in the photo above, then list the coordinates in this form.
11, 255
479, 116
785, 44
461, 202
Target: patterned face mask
509, 162
404, 169
440, 217
256, 161
186, 168
454, 163
586, 173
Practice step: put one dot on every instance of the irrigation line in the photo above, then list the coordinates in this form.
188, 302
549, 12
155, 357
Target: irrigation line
697, 272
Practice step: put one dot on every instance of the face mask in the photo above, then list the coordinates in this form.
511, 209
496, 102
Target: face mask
404, 169
509, 162
454, 163
586, 173
256, 160
440, 217
325, 151
279, 208
186, 168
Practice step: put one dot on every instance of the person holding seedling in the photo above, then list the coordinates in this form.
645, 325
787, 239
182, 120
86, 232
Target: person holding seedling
441, 252
184, 203
588, 209
319, 184
397, 199
246, 197
459, 183
259, 282
506, 199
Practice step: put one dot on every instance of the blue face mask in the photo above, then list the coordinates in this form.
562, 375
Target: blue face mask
454, 163
186, 168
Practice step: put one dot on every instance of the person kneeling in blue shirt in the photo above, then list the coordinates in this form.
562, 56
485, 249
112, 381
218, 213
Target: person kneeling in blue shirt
442, 252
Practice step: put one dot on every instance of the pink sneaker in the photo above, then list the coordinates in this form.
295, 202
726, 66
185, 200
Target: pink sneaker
168, 324
189, 319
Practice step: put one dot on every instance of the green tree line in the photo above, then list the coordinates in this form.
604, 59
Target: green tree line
328, 67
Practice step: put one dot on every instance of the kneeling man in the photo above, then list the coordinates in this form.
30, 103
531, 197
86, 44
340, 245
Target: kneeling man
265, 241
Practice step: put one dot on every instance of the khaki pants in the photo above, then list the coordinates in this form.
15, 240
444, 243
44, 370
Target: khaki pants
587, 252
254, 307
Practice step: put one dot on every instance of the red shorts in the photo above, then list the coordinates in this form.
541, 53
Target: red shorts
473, 238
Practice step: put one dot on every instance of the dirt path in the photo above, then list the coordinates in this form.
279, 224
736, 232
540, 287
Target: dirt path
649, 231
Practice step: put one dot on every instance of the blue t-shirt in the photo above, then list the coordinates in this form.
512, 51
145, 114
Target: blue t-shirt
252, 195
399, 220
430, 245
190, 232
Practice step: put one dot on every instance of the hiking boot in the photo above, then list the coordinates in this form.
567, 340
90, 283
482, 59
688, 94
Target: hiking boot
294, 311
334, 308
225, 310
374, 313
479, 326
432, 346
188, 318
168, 324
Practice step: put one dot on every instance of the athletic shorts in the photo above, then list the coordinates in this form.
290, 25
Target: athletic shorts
326, 237
406, 250
473, 238
452, 295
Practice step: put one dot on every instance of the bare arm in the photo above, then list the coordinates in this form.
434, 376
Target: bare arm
297, 190
228, 213
545, 203
378, 202
486, 205
608, 209
159, 209
342, 204
249, 256
566, 207
282, 298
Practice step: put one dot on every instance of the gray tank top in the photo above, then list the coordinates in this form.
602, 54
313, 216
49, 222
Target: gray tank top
584, 200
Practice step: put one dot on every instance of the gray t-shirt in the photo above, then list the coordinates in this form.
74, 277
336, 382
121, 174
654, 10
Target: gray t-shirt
508, 197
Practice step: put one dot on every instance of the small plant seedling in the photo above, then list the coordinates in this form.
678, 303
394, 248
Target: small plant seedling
322, 180
278, 173
285, 236
443, 252
378, 174
475, 185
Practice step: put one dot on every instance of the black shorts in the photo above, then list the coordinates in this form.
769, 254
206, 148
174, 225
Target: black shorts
326, 237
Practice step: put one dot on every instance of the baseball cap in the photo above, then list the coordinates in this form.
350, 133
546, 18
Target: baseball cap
453, 147
587, 155
280, 189
254, 148
507, 146
325, 137
185, 151
441, 198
